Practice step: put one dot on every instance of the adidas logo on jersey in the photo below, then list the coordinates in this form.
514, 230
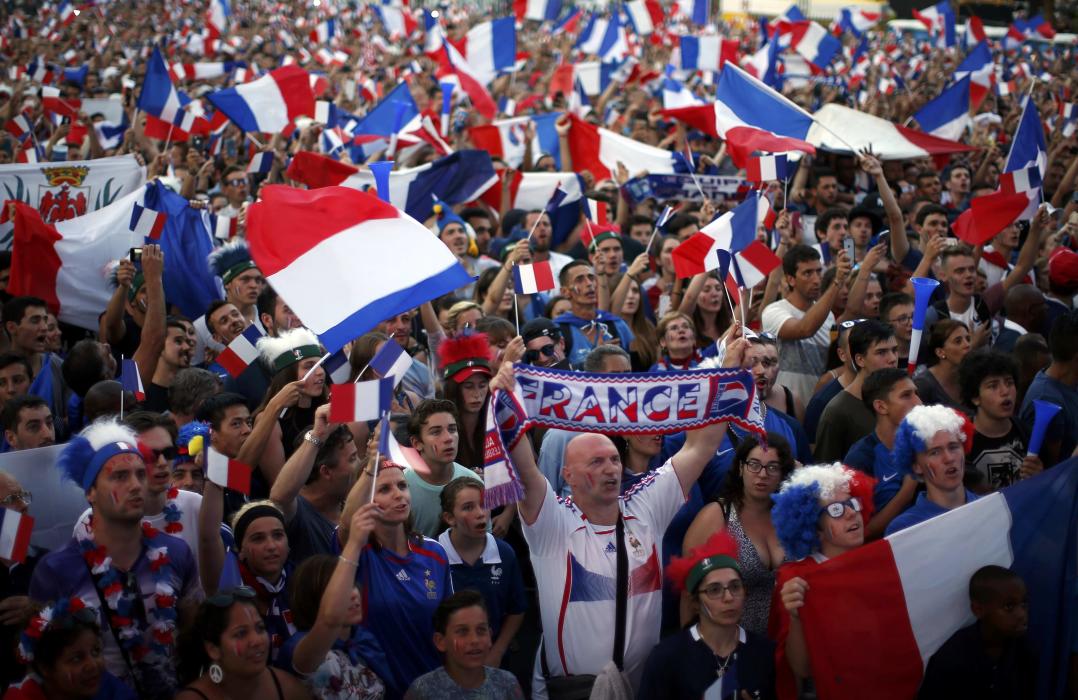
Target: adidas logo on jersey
611, 548
402, 576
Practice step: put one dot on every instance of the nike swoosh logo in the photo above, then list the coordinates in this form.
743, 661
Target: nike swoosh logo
888, 478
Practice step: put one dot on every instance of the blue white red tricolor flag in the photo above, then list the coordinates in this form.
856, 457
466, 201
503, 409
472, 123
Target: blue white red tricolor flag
131, 380
15, 531
391, 361
766, 168
270, 103
362, 401
147, 222
227, 472
534, 278
732, 232
241, 352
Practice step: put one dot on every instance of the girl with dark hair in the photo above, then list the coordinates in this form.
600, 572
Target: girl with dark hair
948, 342
326, 609
704, 302
293, 357
401, 575
465, 364
744, 509
644, 349
62, 649
225, 653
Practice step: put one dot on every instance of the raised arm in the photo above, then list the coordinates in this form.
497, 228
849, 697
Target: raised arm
816, 316
258, 449
1027, 254
297, 469
111, 327
361, 493
152, 340
856, 300
900, 243
211, 550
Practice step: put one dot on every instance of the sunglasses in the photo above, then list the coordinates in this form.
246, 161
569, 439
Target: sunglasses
227, 598
716, 590
169, 453
236, 182
837, 509
531, 356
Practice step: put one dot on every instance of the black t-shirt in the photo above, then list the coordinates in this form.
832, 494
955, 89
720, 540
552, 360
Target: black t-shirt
156, 398
683, 666
993, 462
308, 532
961, 670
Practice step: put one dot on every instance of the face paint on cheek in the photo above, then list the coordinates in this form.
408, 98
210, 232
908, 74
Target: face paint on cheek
590, 480
459, 647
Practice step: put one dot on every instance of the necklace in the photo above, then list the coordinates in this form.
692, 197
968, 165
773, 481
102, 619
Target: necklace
720, 671
173, 513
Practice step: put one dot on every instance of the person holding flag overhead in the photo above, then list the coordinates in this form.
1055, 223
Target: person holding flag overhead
402, 576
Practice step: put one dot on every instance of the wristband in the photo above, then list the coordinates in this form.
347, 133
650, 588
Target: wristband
314, 439
349, 561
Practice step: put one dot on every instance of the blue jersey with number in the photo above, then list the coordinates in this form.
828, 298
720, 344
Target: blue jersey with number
399, 598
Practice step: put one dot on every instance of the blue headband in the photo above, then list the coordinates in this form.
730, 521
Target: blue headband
102, 456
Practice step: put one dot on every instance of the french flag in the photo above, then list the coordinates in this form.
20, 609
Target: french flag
569, 23
269, 104
159, 97
361, 401
204, 70
814, 43
731, 232
980, 69
677, 95
974, 33
750, 116
262, 163
751, 265
394, 113
217, 17
600, 150
323, 32
147, 223
875, 615
454, 67
697, 11
241, 353
1028, 148
766, 168
325, 251
18, 126
534, 278
223, 228
939, 20
490, 48
391, 361
398, 21
131, 380
459, 177
857, 20
533, 191
701, 52
947, 115
228, 473
1024, 180
644, 15
538, 10
15, 531
337, 367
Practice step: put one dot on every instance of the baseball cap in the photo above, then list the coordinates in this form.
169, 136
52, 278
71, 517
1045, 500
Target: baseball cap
539, 327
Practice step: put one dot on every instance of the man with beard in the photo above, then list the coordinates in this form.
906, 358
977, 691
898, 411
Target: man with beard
131, 565
762, 358
803, 320
543, 344
27, 423
276, 316
175, 356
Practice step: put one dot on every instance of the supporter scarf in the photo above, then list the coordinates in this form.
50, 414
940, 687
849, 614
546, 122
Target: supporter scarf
501, 483
622, 404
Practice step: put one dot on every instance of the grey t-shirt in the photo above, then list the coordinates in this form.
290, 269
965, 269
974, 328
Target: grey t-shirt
437, 685
427, 499
801, 362
845, 420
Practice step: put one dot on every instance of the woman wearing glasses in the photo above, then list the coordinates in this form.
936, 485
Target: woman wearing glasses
225, 653
744, 509
820, 513
716, 656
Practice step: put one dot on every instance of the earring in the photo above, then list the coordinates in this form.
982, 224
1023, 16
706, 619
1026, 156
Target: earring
216, 674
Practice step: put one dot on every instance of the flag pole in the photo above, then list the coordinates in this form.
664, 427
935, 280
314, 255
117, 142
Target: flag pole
516, 311
384, 424
121, 387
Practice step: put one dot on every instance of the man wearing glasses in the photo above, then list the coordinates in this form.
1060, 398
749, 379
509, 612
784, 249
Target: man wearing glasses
235, 187
15, 606
897, 309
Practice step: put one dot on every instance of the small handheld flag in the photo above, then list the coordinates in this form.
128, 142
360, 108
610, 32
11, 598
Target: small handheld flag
262, 163
131, 379
241, 352
15, 531
1043, 413
922, 292
534, 278
228, 473
362, 401
391, 361
147, 222
337, 367
766, 168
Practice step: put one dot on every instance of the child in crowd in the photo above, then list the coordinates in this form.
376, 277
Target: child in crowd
990, 658
462, 635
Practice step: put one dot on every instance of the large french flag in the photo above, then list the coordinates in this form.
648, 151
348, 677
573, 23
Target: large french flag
732, 232
947, 115
939, 19
838, 128
750, 116
599, 150
394, 113
875, 615
980, 69
330, 252
490, 47
533, 191
459, 177
539, 10
269, 104
159, 97
1027, 149
506, 138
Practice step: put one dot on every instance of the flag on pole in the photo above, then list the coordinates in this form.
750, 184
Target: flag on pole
262, 163
241, 352
766, 168
227, 472
15, 531
147, 222
362, 401
534, 278
131, 379
1023, 180
337, 367
391, 361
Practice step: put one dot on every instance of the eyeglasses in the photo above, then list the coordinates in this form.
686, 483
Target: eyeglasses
716, 591
837, 509
237, 182
227, 598
755, 465
169, 453
25, 496
531, 356
903, 319
847, 325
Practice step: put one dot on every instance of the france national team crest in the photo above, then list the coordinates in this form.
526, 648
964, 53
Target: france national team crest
431, 586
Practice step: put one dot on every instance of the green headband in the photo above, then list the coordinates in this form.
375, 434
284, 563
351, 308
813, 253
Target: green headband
452, 369
234, 271
291, 357
706, 565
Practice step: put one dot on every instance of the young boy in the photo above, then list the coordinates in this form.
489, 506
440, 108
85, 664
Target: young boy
481, 562
998, 457
990, 658
462, 635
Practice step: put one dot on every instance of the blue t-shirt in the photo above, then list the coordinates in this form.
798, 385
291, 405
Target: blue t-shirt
496, 575
581, 346
816, 405
399, 599
1064, 427
922, 510
873, 458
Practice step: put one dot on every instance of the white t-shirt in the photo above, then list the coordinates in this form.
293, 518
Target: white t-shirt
189, 504
575, 564
801, 362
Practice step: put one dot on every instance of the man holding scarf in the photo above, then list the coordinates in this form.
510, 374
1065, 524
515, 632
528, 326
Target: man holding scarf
574, 543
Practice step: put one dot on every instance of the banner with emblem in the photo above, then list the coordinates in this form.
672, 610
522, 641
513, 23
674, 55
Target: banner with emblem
67, 189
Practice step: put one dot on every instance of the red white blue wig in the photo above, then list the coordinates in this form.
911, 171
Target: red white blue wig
802, 499
920, 425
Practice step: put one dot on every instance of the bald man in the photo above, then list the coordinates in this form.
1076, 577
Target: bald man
574, 544
1026, 312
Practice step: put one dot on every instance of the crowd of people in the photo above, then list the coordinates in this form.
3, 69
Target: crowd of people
644, 565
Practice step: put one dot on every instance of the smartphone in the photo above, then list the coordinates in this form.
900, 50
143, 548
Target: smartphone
135, 255
847, 245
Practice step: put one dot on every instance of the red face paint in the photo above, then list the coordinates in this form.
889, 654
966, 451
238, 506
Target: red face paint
590, 480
